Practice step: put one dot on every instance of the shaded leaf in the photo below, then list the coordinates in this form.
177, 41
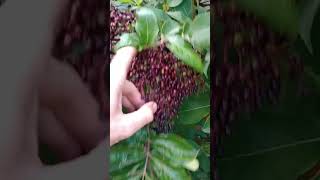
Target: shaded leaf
283, 139
281, 15
306, 20
206, 126
135, 171
120, 157
194, 108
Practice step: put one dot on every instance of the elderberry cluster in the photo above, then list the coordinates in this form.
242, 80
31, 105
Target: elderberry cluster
247, 73
158, 74
162, 78
80, 42
120, 22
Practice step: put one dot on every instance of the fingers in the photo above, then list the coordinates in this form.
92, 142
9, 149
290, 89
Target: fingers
138, 119
65, 94
132, 94
54, 135
127, 104
118, 71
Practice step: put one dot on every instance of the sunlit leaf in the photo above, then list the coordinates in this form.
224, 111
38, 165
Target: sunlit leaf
184, 51
146, 27
174, 3
165, 171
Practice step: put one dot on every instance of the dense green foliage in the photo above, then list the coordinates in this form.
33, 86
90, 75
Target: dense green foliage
183, 152
280, 141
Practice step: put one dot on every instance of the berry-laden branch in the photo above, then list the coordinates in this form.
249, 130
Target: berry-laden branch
158, 74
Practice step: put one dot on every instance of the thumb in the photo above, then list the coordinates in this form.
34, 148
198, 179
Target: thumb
138, 119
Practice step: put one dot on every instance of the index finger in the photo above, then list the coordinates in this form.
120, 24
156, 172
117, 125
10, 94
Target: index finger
119, 67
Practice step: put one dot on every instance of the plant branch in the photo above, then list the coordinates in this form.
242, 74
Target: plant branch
147, 156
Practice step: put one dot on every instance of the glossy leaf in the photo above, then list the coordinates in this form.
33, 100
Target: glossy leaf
175, 146
138, 139
134, 171
120, 157
192, 165
128, 39
183, 51
164, 171
179, 16
146, 27
126, 1
200, 32
186, 8
170, 27
206, 126
207, 64
174, 3
194, 109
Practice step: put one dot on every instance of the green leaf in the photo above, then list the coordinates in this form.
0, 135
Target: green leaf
120, 157
126, 1
170, 27
206, 126
205, 147
176, 146
170, 145
194, 108
207, 64
146, 27
174, 3
138, 139
183, 51
284, 139
134, 171
186, 8
201, 9
306, 20
280, 15
164, 171
192, 165
200, 32
179, 16
139, 2
128, 39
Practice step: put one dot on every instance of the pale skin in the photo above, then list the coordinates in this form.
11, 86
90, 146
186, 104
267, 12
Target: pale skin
44, 100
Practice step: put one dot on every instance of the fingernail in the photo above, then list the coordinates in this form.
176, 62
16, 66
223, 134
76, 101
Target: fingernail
154, 107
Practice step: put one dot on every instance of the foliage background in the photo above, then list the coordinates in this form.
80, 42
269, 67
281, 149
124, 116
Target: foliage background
281, 142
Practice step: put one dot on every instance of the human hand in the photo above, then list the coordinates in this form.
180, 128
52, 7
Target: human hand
44, 99
123, 92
